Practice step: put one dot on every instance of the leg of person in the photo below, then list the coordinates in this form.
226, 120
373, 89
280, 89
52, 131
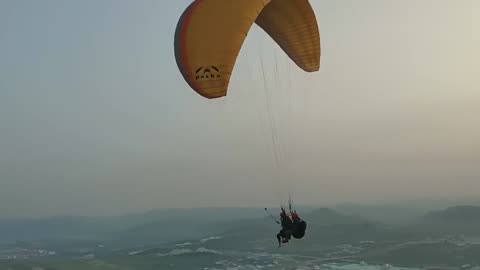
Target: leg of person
279, 239
288, 235
284, 236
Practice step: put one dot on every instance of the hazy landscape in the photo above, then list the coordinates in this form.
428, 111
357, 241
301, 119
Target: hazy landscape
338, 237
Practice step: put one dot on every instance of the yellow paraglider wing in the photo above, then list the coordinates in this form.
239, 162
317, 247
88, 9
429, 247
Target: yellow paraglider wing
210, 33
292, 24
208, 39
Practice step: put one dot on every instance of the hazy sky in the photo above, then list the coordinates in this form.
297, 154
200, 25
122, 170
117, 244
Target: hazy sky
95, 117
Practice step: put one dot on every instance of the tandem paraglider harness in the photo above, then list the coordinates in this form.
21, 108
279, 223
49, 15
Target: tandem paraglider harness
294, 226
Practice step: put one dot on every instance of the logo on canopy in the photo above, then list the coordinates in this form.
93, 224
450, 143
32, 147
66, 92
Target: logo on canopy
208, 72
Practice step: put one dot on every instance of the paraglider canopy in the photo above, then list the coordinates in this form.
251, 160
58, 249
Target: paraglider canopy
210, 34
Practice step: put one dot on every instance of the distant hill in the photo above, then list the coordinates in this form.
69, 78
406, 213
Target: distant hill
317, 217
325, 227
327, 216
383, 213
463, 219
400, 212
160, 226
73, 228
462, 213
156, 225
